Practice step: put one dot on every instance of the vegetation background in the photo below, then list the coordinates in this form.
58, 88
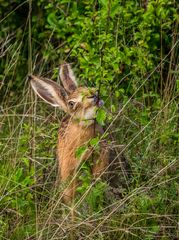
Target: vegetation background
128, 49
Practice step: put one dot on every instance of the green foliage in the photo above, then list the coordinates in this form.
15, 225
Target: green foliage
95, 198
80, 151
101, 117
128, 50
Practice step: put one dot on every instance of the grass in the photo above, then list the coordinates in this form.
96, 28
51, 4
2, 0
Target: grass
147, 206
31, 206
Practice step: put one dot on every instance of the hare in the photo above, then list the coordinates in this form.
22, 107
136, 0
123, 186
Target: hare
81, 104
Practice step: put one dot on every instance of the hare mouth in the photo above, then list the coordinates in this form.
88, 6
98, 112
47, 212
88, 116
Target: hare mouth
97, 101
90, 113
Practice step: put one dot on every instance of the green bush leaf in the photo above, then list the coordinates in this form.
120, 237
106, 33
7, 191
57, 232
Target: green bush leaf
79, 151
101, 116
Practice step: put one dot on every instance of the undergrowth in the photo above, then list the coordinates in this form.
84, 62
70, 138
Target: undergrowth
128, 50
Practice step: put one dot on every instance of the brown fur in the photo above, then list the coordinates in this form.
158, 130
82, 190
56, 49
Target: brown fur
69, 140
80, 103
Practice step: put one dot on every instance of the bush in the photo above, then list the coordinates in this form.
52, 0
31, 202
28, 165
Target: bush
128, 50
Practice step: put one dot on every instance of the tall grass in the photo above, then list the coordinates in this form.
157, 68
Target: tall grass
143, 118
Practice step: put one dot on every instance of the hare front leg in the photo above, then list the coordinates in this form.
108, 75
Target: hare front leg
67, 175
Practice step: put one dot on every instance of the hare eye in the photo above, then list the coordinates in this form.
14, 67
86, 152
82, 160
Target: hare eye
71, 104
92, 96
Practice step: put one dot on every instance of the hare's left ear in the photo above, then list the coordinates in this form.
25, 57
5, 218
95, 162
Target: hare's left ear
50, 92
68, 78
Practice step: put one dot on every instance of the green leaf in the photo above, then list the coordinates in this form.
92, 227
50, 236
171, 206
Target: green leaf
52, 20
104, 2
101, 116
94, 141
79, 151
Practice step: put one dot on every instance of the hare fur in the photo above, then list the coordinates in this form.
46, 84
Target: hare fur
81, 104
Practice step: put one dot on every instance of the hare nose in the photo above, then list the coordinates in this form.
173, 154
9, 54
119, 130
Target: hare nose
98, 101
95, 98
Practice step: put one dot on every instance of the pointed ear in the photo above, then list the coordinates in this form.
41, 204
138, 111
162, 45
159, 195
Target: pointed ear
49, 91
68, 78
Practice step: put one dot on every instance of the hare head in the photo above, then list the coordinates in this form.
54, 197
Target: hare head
80, 102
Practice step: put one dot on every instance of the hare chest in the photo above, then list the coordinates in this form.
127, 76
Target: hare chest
69, 141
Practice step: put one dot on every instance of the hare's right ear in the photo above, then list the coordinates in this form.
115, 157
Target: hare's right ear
68, 78
49, 91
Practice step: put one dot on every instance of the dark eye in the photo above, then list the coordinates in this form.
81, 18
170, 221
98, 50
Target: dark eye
71, 104
92, 96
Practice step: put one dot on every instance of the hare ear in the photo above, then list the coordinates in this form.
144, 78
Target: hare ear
49, 91
68, 78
